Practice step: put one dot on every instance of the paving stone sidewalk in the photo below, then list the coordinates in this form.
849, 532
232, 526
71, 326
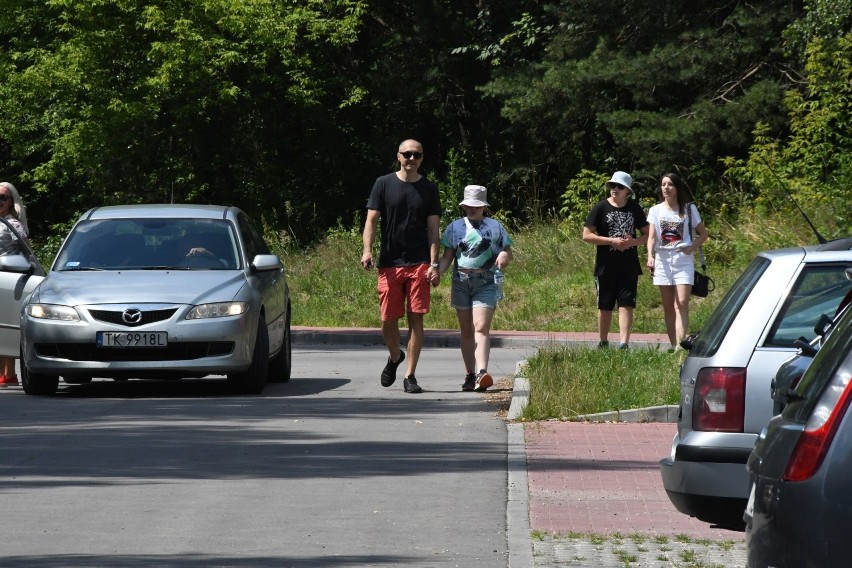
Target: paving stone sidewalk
602, 479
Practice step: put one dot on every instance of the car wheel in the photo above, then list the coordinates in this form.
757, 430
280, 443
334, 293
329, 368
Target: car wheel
280, 367
37, 384
254, 378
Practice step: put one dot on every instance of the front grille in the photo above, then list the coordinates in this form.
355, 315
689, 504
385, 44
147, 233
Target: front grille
173, 352
115, 317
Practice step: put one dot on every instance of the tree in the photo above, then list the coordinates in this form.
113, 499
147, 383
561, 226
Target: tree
648, 86
107, 101
813, 162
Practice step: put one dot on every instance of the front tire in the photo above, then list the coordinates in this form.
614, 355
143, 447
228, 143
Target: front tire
253, 380
37, 384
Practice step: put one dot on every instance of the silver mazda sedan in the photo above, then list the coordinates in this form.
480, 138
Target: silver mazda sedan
159, 292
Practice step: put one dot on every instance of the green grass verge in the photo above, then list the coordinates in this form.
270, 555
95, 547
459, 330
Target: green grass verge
567, 382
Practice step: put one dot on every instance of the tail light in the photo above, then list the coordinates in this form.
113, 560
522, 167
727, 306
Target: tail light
819, 431
718, 403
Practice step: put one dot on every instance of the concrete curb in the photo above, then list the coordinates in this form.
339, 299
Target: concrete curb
518, 501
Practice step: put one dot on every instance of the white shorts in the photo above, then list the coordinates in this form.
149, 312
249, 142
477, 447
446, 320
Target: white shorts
673, 267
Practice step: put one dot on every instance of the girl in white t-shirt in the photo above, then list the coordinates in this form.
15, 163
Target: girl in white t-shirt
671, 248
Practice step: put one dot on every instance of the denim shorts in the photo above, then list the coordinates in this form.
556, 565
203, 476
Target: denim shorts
476, 290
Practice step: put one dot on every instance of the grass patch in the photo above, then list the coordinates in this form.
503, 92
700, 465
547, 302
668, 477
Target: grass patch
640, 550
567, 382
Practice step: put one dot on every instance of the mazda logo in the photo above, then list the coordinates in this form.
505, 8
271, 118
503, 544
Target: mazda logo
132, 315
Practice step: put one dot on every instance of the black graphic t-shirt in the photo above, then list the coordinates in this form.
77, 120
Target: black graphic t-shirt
610, 221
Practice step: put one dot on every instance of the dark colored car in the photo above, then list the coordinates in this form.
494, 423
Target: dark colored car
800, 506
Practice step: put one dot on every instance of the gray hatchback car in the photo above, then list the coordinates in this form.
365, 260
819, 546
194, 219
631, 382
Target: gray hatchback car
725, 380
159, 292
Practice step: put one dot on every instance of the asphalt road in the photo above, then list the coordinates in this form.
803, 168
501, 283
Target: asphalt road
327, 470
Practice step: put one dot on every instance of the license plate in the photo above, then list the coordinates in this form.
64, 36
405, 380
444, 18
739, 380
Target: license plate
133, 339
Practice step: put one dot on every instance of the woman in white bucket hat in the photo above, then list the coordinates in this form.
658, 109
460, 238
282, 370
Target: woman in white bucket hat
480, 248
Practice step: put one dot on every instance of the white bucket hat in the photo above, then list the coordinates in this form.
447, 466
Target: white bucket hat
622, 178
475, 196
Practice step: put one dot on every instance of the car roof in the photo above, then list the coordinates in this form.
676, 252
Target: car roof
838, 248
162, 211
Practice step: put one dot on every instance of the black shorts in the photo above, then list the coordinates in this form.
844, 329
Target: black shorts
618, 288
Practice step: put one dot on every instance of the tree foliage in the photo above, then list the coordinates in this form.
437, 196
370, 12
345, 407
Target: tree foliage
812, 165
291, 108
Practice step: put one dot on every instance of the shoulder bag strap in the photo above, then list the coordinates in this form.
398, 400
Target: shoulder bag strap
701, 258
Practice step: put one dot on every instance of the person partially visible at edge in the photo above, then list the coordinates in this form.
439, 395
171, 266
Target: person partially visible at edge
409, 208
671, 252
477, 246
616, 225
13, 211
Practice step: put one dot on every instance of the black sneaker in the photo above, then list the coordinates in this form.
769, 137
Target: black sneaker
389, 373
411, 386
483, 381
603, 344
469, 382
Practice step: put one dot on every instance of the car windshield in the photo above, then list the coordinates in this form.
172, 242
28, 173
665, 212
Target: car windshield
708, 341
150, 244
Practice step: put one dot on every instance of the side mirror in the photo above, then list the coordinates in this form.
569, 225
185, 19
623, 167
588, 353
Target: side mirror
266, 262
805, 348
822, 325
16, 263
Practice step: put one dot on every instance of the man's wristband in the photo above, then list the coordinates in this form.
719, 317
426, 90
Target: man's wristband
434, 265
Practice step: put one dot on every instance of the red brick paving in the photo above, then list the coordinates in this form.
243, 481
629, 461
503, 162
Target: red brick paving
604, 478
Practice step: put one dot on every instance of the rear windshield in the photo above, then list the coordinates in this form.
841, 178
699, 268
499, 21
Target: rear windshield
712, 334
834, 357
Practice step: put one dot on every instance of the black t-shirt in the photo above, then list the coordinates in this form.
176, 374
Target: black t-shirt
610, 221
404, 208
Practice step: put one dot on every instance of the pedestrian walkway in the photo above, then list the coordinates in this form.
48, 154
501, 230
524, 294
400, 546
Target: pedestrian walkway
603, 479
586, 493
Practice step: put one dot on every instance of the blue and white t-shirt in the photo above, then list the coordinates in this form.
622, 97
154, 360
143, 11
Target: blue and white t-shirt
478, 246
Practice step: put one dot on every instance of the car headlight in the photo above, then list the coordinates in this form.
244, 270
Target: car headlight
217, 310
52, 312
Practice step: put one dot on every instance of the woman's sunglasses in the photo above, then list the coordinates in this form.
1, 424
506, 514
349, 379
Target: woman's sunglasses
4, 198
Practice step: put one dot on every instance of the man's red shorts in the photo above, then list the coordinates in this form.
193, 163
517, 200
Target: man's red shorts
399, 284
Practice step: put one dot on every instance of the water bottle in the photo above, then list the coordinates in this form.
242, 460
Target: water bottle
498, 279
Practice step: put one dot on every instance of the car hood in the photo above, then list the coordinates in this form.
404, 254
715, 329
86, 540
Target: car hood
139, 286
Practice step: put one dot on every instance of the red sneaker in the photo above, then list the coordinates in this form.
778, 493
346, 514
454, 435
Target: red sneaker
483, 381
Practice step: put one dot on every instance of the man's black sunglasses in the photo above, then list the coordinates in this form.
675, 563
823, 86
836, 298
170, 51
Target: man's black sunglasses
409, 155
